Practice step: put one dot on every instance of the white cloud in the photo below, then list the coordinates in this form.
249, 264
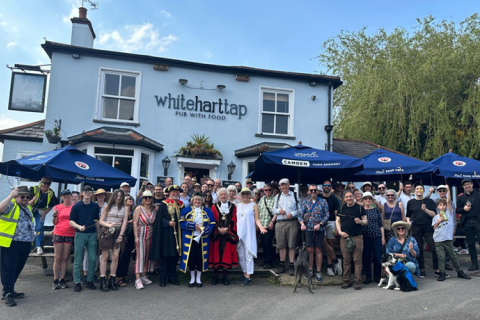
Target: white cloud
6, 123
136, 38
11, 44
208, 54
73, 13
167, 14
3, 23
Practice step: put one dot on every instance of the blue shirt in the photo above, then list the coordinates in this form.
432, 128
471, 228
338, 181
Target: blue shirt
318, 214
394, 246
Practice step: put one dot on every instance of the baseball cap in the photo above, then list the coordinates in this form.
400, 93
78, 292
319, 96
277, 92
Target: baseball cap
124, 184
283, 181
65, 191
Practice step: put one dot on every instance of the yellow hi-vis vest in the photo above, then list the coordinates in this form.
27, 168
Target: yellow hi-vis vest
36, 191
8, 224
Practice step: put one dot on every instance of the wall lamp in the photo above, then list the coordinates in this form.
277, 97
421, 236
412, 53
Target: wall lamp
183, 81
166, 163
221, 87
231, 169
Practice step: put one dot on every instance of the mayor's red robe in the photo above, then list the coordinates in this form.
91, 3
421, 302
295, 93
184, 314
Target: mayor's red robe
223, 248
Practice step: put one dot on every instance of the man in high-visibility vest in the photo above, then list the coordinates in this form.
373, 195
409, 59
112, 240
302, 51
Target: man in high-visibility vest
42, 202
16, 236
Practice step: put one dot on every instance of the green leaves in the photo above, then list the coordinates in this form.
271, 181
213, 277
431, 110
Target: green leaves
200, 146
413, 91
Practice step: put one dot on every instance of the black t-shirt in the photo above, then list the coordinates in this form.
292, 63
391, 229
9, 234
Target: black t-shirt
85, 215
156, 202
347, 216
419, 217
332, 205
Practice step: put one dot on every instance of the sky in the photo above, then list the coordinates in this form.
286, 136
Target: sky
278, 35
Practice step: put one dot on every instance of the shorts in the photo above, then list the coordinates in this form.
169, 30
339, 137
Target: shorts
286, 234
56, 239
314, 239
330, 230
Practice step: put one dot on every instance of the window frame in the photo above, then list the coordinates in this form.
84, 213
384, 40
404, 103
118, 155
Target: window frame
291, 113
100, 95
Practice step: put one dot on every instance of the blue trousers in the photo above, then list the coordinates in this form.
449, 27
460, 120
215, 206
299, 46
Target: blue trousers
372, 251
38, 228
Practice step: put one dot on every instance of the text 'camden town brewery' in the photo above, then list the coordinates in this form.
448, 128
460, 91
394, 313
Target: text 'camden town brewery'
221, 107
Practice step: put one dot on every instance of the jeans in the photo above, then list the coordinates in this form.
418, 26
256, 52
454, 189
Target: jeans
372, 247
12, 262
356, 255
412, 267
421, 233
268, 249
89, 241
38, 228
472, 231
446, 247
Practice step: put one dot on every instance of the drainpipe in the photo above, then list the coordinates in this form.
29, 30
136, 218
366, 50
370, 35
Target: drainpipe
329, 126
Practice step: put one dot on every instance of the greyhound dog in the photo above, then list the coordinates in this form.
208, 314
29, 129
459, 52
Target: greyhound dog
301, 266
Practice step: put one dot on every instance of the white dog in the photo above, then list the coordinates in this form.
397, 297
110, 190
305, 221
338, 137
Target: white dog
387, 265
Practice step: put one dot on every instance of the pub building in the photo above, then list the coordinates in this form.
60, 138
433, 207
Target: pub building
137, 112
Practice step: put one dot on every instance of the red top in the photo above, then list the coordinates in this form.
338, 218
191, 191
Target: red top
63, 228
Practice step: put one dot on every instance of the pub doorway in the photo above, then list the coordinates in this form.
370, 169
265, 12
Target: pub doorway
198, 173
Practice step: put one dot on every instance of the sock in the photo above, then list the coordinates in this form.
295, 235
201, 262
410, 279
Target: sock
199, 274
224, 273
113, 275
192, 276
102, 276
335, 260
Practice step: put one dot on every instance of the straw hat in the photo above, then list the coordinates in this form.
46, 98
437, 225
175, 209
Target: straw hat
401, 224
101, 191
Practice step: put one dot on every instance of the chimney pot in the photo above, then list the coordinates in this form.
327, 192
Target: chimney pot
82, 13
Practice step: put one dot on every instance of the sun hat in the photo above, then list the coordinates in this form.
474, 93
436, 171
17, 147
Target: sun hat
124, 184
283, 181
147, 194
367, 194
401, 224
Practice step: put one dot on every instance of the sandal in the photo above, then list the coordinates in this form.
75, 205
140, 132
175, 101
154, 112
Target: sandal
121, 283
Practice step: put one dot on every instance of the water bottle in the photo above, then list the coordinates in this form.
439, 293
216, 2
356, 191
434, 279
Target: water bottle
444, 215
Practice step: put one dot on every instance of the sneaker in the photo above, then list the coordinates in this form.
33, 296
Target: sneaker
338, 267
246, 282
319, 277
240, 280
423, 275
330, 272
438, 273
9, 300
78, 287
138, 284
145, 280
455, 250
463, 251
39, 251
63, 284
310, 274
56, 285
16, 295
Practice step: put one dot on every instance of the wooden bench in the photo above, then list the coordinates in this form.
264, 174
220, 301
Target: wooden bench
48, 252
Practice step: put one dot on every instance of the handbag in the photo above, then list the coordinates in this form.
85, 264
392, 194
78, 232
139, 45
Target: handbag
387, 223
350, 244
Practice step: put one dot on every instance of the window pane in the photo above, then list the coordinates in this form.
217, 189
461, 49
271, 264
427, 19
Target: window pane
144, 165
282, 125
111, 84
126, 109
110, 107
107, 159
123, 164
269, 101
128, 86
267, 123
114, 151
282, 103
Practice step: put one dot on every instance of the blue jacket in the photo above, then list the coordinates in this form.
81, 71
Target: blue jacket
394, 246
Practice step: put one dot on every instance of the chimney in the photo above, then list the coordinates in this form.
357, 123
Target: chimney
82, 30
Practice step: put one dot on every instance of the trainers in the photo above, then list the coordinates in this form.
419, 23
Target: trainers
145, 280
455, 250
16, 295
330, 272
39, 251
63, 284
310, 274
138, 284
78, 287
423, 275
9, 301
240, 280
246, 282
291, 270
438, 274
463, 251
319, 277
56, 285
338, 267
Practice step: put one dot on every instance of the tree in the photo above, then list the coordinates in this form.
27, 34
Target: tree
417, 92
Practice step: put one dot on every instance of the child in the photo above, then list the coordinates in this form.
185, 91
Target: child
443, 224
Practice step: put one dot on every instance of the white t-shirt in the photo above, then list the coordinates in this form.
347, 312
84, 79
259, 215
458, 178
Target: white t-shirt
445, 229
404, 199
381, 199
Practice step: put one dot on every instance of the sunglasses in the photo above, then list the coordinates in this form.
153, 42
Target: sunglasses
313, 190
267, 190
351, 188
149, 187
442, 190
208, 196
401, 228
369, 199
146, 198
381, 188
327, 185
25, 197
210, 185
47, 183
390, 195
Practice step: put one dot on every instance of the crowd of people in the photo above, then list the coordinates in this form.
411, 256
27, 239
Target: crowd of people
206, 225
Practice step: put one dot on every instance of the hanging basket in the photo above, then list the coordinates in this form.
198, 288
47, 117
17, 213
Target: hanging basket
53, 139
